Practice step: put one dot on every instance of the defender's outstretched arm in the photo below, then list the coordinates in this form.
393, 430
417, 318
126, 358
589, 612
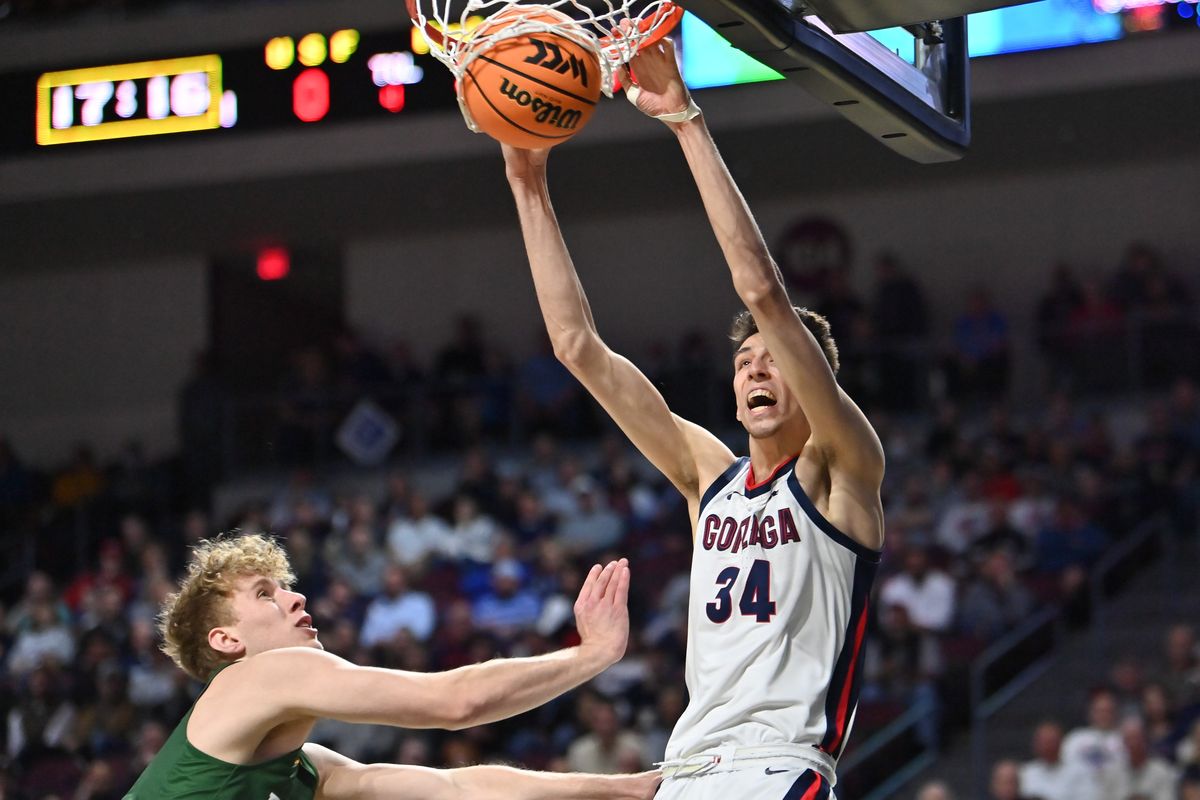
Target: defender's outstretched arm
301, 682
344, 779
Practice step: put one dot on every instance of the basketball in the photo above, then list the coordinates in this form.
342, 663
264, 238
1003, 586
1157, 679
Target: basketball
532, 91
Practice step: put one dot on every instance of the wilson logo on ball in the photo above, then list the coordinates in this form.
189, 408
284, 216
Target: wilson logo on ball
550, 56
543, 110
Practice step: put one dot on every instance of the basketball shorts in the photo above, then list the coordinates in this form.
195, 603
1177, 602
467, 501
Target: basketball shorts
757, 773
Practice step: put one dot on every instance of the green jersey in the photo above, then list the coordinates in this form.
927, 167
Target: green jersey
181, 772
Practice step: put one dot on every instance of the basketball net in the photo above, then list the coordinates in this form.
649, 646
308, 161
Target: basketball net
457, 38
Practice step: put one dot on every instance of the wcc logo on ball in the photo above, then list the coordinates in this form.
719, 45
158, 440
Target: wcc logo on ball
550, 56
544, 111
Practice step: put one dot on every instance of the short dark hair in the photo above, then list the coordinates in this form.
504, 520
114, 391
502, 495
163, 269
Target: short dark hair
744, 327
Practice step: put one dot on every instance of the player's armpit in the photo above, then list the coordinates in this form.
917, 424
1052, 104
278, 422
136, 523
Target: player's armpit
839, 427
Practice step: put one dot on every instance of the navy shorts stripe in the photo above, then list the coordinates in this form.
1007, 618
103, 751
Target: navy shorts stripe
809, 786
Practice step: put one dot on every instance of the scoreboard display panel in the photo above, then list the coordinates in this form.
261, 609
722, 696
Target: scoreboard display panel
290, 81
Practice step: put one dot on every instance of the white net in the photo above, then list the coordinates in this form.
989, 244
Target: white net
613, 30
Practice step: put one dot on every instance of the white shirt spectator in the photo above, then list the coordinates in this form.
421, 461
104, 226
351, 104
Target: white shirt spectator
1058, 781
397, 609
411, 540
1029, 514
961, 525
1153, 780
928, 599
1093, 747
34, 646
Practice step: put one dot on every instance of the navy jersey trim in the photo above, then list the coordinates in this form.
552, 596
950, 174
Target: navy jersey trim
826, 526
841, 698
722, 480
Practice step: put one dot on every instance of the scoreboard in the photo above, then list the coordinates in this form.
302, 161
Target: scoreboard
289, 81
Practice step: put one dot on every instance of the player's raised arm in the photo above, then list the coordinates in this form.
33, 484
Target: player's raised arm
344, 779
306, 682
838, 426
682, 451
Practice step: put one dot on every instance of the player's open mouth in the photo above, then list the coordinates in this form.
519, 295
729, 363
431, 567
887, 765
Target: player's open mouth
305, 622
759, 398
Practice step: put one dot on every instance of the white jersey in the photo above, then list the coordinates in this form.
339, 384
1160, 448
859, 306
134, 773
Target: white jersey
776, 620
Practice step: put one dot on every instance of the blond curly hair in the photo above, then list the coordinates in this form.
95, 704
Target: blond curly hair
202, 602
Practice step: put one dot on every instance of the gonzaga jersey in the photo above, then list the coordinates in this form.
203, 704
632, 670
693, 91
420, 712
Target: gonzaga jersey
776, 619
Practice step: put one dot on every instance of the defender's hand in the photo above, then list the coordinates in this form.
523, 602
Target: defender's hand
520, 164
602, 613
656, 73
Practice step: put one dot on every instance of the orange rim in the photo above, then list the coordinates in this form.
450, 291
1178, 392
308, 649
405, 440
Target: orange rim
665, 18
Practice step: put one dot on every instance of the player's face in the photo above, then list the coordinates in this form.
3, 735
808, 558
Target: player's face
764, 402
270, 616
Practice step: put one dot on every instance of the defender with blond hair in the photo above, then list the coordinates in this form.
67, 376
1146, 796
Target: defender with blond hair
786, 541
237, 624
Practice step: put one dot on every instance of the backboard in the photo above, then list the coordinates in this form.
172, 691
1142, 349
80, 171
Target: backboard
921, 110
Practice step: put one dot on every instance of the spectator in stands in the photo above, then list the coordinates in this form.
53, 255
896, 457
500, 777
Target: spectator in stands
1126, 677
1181, 672
548, 397
110, 571
474, 534
593, 526
418, 534
363, 562
935, 790
925, 593
1047, 776
39, 590
1006, 782
399, 607
607, 748
42, 717
1068, 547
357, 368
1158, 715
153, 679
80, 482
508, 608
106, 718
1098, 747
1142, 774
1189, 786
16, 483
306, 411
979, 366
902, 665
1001, 536
1187, 754
1053, 313
966, 516
900, 319
995, 600
1095, 330
46, 639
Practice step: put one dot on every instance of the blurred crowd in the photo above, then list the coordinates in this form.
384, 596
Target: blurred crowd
991, 512
1139, 738
1128, 330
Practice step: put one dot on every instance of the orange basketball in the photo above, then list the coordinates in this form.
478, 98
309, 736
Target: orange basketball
531, 91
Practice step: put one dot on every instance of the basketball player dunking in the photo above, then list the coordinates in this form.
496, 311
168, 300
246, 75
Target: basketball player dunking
786, 542
236, 624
